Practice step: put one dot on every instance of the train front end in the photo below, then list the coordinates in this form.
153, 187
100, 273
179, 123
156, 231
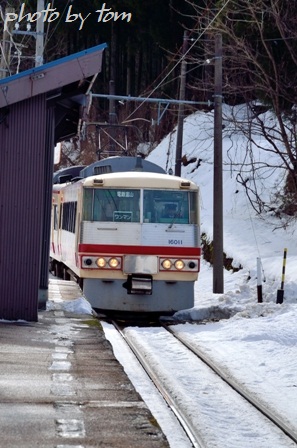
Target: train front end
139, 242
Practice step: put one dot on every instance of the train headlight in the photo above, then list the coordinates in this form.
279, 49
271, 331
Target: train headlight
101, 262
179, 265
113, 263
166, 264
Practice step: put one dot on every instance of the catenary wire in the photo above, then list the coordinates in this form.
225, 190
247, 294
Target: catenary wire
180, 59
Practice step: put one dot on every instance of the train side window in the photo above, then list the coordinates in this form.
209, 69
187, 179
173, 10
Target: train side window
55, 217
60, 216
69, 216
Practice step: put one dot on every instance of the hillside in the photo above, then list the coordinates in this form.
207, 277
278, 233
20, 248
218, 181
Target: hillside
247, 234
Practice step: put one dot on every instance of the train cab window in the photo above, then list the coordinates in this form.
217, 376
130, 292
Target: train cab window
170, 206
193, 207
88, 204
120, 205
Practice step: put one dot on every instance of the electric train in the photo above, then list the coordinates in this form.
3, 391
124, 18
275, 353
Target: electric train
129, 234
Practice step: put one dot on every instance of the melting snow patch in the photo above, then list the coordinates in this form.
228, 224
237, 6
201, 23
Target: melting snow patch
78, 306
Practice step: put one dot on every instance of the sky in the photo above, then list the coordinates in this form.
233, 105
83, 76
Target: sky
255, 342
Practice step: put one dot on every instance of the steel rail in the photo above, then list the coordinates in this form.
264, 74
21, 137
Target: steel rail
191, 433
260, 406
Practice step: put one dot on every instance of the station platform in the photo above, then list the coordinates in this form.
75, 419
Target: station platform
62, 387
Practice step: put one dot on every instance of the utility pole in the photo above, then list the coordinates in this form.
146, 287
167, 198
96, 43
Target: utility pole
218, 246
181, 108
6, 47
112, 119
39, 36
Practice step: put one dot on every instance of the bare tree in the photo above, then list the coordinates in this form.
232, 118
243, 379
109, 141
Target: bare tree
260, 69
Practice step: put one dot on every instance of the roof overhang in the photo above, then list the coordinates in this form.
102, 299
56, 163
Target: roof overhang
52, 77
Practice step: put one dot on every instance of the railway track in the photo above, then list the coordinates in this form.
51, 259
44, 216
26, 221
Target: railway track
190, 432
211, 407
239, 388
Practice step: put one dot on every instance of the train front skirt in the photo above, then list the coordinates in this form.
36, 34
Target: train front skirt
158, 296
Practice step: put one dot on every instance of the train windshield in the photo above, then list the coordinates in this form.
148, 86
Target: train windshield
120, 205
124, 205
170, 206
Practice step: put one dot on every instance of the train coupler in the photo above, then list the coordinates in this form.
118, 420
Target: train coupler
139, 284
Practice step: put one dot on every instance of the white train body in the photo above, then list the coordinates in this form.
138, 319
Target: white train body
132, 240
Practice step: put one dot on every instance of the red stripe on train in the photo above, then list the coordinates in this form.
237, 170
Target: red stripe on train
142, 250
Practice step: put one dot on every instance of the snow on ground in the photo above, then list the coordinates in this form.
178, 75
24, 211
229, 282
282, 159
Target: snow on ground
257, 342
257, 345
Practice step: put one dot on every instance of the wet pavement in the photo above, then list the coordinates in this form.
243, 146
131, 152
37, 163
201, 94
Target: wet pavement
62, 387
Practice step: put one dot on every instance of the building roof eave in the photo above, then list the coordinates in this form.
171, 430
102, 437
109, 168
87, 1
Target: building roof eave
51, 76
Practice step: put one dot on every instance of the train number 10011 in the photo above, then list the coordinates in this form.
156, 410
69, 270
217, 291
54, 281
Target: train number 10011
175, 242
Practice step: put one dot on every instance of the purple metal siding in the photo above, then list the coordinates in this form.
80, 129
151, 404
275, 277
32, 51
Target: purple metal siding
22, 152
28, 131
47, 200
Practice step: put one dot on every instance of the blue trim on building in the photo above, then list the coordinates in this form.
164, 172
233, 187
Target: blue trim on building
55, 63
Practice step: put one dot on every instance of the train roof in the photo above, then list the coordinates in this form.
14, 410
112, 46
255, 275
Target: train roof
119, 164
115, 164
124, 172
67, 174
134, 179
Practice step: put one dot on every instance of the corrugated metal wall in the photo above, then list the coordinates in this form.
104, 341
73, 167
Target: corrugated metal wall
47, 204
22, 156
